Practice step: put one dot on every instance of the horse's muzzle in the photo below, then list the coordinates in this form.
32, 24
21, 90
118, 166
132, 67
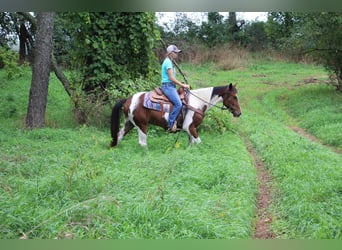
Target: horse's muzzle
236, 114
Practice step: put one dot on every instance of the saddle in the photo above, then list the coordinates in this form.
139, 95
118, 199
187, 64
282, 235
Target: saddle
157, 96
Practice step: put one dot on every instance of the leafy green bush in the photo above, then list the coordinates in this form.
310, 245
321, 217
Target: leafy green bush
9, 63
128, 87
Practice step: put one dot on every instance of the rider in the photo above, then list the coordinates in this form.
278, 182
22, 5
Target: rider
169, 83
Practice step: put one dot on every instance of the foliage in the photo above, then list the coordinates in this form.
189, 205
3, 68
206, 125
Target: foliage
8, 27
319, 35
14, 26
128, 87
279, 27
109, 47
254, 36
9, 63
213, 32
216, 31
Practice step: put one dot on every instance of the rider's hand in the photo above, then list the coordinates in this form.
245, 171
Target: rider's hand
186, 86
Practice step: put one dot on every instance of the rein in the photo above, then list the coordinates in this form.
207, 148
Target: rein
206, 102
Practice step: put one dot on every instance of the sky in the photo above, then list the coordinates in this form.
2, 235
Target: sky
198, 17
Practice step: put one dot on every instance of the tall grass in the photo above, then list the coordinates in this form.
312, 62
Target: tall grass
63, 181
318, 109
306, 175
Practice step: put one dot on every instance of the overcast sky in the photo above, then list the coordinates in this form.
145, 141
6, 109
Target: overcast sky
198, 17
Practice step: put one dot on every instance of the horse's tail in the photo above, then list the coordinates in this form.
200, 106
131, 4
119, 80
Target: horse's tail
115, 122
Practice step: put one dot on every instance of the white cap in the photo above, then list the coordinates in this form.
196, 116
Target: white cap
172, 48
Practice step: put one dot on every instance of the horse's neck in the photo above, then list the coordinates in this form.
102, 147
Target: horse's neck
204, 97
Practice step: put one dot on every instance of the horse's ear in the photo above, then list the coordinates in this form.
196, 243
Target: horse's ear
230, 86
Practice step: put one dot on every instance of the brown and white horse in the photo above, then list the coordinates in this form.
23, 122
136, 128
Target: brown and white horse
199, 101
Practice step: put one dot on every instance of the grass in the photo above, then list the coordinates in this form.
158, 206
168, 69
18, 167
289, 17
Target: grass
317, 109
63, 181
306, 175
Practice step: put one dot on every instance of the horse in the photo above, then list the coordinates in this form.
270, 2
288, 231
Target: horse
199, 101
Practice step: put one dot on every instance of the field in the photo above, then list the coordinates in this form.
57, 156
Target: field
63, 181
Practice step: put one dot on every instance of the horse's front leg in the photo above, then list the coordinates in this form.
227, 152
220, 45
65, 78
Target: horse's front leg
192, 128
142, 137
193, 135
142, 133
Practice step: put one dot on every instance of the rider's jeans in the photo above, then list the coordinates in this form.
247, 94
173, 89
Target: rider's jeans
169, 89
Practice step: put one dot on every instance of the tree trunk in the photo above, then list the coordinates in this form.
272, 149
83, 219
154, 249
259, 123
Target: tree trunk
23, 43
41, 71
59, 73
233, 27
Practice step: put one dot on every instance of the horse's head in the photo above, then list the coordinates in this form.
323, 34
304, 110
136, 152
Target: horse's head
230, 100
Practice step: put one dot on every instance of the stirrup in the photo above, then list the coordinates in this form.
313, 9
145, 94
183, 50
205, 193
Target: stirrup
174, 128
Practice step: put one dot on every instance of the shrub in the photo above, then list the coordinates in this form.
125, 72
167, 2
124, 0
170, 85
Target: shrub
8, 62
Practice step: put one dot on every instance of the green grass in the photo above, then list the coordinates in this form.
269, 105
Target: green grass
306, 175
124, 193
318, 109
63, 181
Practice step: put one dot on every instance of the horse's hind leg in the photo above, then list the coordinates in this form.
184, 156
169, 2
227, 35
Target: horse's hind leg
125, 130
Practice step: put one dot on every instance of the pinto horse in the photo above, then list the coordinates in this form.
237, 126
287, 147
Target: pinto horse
199, 101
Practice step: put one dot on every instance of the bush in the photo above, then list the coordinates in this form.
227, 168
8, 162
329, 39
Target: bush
8, 62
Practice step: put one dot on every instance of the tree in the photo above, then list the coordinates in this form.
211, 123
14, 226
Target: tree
320, 35
13, 25
58, 72
233, 27
254, 36
279, 27
213, 32
41, 71
108, 47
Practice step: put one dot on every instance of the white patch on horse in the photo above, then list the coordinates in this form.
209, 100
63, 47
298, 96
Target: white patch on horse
166, 116
188, 120
198, 99
142, 138
194, 140
121, 134
132, 107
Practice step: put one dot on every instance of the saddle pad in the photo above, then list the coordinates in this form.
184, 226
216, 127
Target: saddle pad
155, 105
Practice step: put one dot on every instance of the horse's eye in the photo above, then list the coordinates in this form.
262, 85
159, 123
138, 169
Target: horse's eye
235, 98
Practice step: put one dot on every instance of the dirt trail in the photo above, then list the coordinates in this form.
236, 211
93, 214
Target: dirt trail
263, 217
305, 134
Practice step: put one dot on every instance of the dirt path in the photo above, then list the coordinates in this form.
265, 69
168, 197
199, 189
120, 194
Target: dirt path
263, 217
305, 134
